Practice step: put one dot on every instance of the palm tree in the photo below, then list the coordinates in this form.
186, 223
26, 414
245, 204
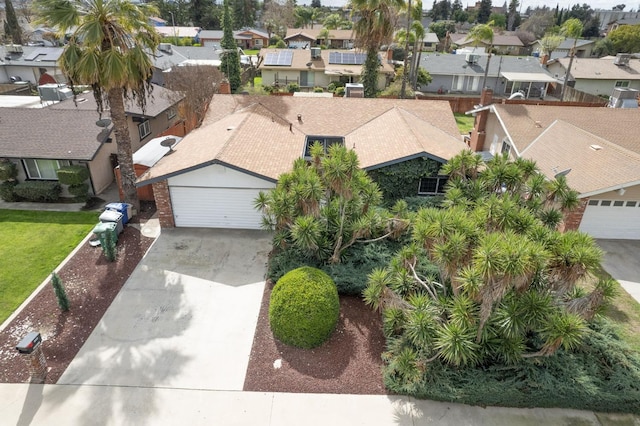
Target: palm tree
332, 21
374, 27
109, 50
324, 35
572, 28
483, 33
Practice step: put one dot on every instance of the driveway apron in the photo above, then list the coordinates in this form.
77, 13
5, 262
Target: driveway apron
185, 318
622, 261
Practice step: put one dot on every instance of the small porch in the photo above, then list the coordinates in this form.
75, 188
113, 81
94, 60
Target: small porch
531, 85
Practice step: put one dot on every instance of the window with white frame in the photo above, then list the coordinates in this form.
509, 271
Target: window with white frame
433, 185
258, 42
171, 112
43, 169
144, 129
622, 83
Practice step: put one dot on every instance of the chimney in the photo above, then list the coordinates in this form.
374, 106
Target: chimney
544, 59
478, 134
389, 55
225, 88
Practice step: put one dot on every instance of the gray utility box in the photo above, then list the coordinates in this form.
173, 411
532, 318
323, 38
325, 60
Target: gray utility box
115, 217
29, 343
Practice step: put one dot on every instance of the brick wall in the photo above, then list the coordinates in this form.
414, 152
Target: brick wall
572, 222
163, 204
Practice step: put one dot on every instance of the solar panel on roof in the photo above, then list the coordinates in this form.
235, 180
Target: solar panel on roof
282, 58
347, 58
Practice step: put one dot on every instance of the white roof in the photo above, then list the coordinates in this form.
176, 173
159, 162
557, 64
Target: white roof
151, 152
23, 102
528, 76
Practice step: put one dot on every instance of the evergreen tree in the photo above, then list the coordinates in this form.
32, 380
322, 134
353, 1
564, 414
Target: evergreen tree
11, 26
61, 294
513, 17
109, 247
484, 12
244, 13
198, 12
316, 4
230, 61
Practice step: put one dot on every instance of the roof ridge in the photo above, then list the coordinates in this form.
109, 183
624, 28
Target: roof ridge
375, 117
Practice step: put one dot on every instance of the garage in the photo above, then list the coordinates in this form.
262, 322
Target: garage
216, 197
612, 219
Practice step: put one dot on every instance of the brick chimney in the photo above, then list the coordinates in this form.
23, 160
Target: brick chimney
478, 134
224, 88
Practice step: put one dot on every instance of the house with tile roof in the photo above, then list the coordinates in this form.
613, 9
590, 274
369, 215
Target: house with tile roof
246, 142
503, 43
317, 67
596, 148
463, 74
599, 76
40, 137
304, 38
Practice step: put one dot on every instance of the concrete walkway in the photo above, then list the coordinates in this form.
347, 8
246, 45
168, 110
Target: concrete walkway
24, 404
622, 261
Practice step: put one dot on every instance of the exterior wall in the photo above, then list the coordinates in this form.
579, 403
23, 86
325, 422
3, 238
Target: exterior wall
495, 134
158, 125
163, 204
100, 167
218, 175
631, 194
445, 84
209, 42
602, 87
26, 73
573, 219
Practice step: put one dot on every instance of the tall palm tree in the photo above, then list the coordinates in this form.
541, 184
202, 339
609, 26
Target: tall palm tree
483, 33
108, 50
572, 28
375, 26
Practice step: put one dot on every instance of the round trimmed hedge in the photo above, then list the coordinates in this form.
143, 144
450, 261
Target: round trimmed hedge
304, 308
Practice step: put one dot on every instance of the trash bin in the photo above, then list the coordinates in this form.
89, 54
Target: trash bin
102, 228
113, 216
123, 208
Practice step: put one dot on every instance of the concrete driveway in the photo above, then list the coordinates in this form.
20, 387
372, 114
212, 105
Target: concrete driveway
622, 262
185, 318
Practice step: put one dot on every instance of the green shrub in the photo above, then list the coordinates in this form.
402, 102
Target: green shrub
419, 202
304, 308
109, 246
73, 175
7, 191
293, 87
39, 191
334, 85
8, 170
318, 90
339, 91
603, 375
402, 180
61, 294
280, 44
80, 192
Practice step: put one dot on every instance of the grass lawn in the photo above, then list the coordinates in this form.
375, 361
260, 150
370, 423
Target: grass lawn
464, 122
257, 81
251, 51
33, 244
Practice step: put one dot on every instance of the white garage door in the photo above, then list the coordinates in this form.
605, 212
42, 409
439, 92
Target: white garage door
615, 219
215, 207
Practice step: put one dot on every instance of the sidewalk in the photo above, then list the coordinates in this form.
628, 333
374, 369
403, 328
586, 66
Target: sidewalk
24, 404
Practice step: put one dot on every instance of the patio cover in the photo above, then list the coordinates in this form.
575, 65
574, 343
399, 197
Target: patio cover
533, 77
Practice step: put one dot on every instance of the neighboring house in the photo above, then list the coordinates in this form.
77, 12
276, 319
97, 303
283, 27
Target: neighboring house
179, 32
40, 139
214, 175
302, 38
464, 74
599, 76
635, 20
316, 67
503, 44
596, 148
430, 42
33, 64
608, 18
156, 21
168, 56
584, 48
248, 38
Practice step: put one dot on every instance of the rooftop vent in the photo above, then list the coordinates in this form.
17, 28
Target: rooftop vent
595, 147
622, 59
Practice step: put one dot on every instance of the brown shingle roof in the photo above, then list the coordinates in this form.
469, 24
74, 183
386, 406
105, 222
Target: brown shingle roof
596, 164
50, 134
263, 135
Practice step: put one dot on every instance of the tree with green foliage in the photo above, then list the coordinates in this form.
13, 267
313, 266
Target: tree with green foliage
317, 4
499, 20
305, 16
483, 33
61, 294
12, 28
442, 28
550, 43
108, 50
488, 279
230, 59
572, 28
324, 35
244, 13
374, 27
513, 16
109, 246
458, 14
325, 207
625, 39
484, 12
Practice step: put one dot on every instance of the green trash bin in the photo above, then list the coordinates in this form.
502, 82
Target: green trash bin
102, 228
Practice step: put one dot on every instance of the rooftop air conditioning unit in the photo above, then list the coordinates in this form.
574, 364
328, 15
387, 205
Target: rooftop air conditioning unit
471, 58
623, 97
622, 59
14, 48
165, 47
354, 90
315, 53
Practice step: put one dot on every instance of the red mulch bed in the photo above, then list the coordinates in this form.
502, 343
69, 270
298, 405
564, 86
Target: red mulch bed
91, 283
349, 362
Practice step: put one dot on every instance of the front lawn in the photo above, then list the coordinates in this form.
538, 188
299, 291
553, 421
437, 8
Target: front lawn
33, 244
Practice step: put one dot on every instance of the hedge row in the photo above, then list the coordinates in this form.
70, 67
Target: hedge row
38, 191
